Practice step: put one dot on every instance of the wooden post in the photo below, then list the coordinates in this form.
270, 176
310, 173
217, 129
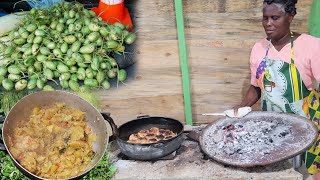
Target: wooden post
183, 61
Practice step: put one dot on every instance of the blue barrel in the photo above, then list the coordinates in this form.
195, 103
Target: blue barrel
3, 13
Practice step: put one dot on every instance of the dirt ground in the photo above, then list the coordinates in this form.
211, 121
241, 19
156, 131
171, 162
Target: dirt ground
191, 163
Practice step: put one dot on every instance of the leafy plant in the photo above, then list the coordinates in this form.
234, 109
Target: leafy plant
8, 170
102, 171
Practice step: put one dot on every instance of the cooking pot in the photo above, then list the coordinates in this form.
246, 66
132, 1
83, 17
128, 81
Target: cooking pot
150, 151
22, 110
303, 134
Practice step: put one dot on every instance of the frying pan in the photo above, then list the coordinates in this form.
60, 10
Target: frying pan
22, 110
150, 151
303, 134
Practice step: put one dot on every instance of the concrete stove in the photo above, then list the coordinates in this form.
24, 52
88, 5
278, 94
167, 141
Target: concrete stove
190, 163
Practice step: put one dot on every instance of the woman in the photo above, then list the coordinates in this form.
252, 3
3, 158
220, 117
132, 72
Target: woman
284, 67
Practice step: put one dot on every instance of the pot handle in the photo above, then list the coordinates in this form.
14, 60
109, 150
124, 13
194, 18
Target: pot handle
115, 131
143, 116
2, 147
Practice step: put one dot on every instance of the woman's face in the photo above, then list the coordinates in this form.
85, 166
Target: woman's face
275, 21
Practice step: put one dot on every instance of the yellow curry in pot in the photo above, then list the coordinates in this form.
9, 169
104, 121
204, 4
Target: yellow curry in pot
55, 142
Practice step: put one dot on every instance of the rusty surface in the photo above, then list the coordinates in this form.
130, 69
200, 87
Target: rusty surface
302, 137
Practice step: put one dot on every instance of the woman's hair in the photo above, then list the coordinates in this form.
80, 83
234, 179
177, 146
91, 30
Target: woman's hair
289, 5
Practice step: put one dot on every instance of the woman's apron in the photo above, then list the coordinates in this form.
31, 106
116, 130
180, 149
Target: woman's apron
282, 90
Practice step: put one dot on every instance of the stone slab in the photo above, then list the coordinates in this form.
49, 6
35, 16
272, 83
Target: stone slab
191, 163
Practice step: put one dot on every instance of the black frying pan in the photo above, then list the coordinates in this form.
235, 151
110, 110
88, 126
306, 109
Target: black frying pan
147, 151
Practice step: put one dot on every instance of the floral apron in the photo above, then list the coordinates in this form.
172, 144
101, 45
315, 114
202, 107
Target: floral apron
282, 90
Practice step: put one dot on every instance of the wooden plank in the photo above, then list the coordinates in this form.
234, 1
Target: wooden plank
220, 60
153, 86
127, 109
219, 34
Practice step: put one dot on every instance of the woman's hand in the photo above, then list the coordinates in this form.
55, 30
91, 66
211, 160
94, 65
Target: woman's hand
238, 112
236, 107
252, 96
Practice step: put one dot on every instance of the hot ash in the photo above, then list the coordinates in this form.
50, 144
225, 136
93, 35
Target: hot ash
251, 137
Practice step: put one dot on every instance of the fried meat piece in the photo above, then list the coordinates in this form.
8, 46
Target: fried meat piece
151, 135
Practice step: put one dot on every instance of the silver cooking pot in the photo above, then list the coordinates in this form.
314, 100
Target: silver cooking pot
21, 111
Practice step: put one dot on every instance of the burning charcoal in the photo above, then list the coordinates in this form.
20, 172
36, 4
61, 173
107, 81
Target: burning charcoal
266, 130
259, 140
239, 151
251, 137
229, 152
230, 127
283, 134
229, 137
